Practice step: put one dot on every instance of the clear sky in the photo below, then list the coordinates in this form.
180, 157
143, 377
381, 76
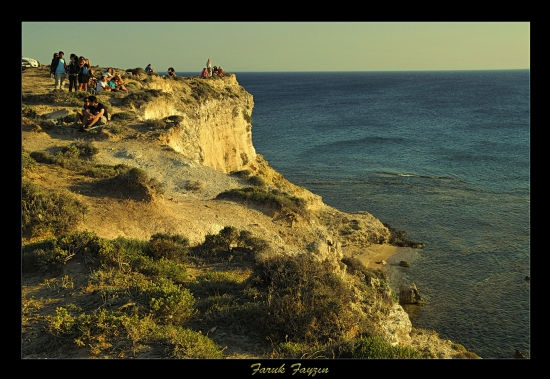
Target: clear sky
285, 46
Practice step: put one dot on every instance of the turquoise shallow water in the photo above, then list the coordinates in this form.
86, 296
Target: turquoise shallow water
444, 156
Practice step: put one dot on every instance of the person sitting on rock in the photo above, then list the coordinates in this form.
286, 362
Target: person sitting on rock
221, 72
204, 73
171, 71
149, 69
95, 115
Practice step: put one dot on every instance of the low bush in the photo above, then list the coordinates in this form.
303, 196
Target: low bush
140, 97
305, 301
200, 90
168, 302
376, 348
80, 149
124, 116
27, 162
230, 244
166, 268
136, 181
28, 112
174, 247
277, 201
54, 252
107, 332
46, 211
257, 181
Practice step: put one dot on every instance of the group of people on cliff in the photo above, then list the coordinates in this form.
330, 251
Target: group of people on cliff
207, 71
80, 74
78, 71
210, 70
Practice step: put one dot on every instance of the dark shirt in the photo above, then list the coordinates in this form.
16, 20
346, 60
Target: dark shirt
74, 68
95, 110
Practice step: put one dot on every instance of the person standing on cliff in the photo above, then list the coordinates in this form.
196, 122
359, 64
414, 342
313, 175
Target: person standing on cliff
59, 69
209, 67
74, 70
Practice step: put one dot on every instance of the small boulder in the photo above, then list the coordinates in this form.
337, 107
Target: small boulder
404, 264
409, 295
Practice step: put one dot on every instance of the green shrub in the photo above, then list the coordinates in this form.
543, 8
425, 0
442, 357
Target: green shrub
104, 171
168, 246
100, 331
116, 129
276, 200
168, 302
124, 116
230, 244
185, 343
53, 253
136, 178
305, 301
376, 348
27, 162
48, 211
165, 268
28, 112
42, 260
43, 157
80, 149
257, 181
217, 282
200, 90
140, 97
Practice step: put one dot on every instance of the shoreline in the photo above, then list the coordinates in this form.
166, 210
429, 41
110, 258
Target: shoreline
373, 255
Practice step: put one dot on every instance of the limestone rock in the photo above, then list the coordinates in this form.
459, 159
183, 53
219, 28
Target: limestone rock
409, 295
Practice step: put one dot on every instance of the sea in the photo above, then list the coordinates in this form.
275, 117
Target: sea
441, 155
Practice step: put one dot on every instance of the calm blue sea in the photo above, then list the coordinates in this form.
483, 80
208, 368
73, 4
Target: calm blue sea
442, 155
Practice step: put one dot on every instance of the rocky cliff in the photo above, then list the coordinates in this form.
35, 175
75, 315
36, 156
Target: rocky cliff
215, 128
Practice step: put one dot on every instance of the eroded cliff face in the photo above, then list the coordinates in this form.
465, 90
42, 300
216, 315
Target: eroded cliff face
215, 129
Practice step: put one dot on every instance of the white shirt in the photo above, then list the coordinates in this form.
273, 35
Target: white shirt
101, 86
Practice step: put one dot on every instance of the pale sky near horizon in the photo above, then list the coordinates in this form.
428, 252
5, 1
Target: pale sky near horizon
285, 46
